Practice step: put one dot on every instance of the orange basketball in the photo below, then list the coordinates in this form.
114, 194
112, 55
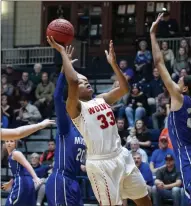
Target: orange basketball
62, 31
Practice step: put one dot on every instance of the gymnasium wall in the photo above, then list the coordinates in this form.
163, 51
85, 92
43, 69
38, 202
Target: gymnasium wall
7, 24
21, 23
28, 23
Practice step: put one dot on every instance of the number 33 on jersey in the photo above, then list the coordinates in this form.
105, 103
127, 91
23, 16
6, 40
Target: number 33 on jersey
97, 125
106, 120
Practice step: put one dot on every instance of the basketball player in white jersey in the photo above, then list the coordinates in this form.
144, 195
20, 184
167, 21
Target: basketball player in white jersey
110, 167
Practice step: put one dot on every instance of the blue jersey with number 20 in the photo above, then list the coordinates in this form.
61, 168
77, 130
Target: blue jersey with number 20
62, 187
70, 146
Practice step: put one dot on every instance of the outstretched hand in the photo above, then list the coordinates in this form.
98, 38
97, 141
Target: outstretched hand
154, 26
69, 52
55, 45
47, 122
111, 58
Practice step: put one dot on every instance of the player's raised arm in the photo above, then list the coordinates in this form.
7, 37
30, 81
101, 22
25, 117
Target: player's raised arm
24, 131
171, 86
73, 103
60, 106
115, 94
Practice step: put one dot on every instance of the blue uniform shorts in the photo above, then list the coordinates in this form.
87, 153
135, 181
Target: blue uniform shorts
62, 191
22, 192
186, 176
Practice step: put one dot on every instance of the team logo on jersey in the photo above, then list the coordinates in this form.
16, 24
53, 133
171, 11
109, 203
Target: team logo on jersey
98, 108
79, 140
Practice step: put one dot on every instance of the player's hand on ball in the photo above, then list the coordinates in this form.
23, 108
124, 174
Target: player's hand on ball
55, 45
69, 52
111, 58
153, 28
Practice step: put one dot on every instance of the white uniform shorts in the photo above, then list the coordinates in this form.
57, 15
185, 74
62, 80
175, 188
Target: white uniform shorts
115, 177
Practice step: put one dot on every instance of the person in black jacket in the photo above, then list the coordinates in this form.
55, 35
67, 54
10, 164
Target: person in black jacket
168, 27
136, 105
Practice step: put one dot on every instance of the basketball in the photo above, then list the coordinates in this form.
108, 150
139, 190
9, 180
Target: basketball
61, 30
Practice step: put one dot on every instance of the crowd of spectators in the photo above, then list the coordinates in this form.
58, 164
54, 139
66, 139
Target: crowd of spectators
26, 98
143, 113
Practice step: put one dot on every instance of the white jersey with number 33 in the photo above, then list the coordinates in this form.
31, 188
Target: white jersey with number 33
97, 125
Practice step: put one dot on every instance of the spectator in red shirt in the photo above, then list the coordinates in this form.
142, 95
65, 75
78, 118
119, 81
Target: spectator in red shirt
165, 134
47, 157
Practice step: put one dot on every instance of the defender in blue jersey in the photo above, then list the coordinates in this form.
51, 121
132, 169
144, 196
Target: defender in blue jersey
62, 188
24, 178
179, 120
